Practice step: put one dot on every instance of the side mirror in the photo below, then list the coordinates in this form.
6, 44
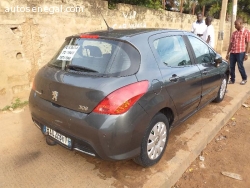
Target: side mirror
217, 60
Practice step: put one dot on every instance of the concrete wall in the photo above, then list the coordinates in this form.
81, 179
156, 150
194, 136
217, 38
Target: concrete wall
29, 39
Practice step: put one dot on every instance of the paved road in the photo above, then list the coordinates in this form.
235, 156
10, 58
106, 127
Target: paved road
27, 161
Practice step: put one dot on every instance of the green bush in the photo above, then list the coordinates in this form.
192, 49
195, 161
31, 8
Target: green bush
16, 104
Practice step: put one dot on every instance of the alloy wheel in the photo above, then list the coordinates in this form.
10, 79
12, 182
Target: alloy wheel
156, 140
223, 88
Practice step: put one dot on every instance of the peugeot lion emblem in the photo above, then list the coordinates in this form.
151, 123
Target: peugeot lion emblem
54, 95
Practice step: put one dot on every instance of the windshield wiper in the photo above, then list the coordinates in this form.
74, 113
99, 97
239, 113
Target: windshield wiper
80, 68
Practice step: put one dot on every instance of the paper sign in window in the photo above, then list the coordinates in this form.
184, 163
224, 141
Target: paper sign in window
68, 53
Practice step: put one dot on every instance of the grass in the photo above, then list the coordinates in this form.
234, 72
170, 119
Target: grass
14, 105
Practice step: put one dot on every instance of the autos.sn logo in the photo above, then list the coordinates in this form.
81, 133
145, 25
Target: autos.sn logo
54, 95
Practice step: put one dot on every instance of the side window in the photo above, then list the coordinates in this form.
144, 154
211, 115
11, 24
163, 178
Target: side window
201, 50
172, 51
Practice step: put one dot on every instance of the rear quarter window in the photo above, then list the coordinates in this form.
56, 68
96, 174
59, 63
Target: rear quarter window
98, 57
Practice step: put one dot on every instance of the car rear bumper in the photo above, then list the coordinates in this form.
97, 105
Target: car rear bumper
111, 137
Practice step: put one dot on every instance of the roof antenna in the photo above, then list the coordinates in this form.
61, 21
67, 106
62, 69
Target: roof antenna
109, 28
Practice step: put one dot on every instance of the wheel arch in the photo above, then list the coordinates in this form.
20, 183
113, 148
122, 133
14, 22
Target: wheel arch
227, 74
168, 112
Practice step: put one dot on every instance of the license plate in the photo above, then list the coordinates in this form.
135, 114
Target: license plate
61, 138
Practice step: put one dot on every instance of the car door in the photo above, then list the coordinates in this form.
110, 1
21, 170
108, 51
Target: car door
204, 59
180, 77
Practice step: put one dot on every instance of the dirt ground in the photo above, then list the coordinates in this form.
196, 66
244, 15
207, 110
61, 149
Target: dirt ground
227, 153
27, 161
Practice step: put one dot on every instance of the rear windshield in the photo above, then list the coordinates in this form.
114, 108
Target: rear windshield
97, 57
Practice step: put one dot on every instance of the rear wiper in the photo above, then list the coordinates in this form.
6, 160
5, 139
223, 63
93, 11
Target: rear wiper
80, 68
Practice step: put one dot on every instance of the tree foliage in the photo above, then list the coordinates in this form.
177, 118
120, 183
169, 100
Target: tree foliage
212, 7
156, 4
244, 10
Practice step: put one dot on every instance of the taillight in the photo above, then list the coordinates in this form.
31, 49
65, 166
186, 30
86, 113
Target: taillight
123, 99
89, 36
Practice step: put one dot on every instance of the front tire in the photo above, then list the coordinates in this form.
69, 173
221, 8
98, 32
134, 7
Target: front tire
154, 141
222, 90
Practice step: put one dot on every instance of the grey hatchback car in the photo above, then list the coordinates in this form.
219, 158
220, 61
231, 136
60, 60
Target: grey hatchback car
117, 94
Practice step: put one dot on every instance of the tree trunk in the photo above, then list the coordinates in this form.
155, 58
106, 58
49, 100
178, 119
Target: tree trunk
194, 5
181, 7
203, 10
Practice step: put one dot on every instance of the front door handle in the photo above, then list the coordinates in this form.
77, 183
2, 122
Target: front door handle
174, 78
205, 72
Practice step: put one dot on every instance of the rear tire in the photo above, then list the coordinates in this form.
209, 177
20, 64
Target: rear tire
154, 141
222, 90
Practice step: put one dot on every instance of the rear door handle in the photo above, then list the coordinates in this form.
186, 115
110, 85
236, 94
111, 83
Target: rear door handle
174, 78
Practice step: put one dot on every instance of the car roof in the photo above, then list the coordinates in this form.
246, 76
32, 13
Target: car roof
127, 33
